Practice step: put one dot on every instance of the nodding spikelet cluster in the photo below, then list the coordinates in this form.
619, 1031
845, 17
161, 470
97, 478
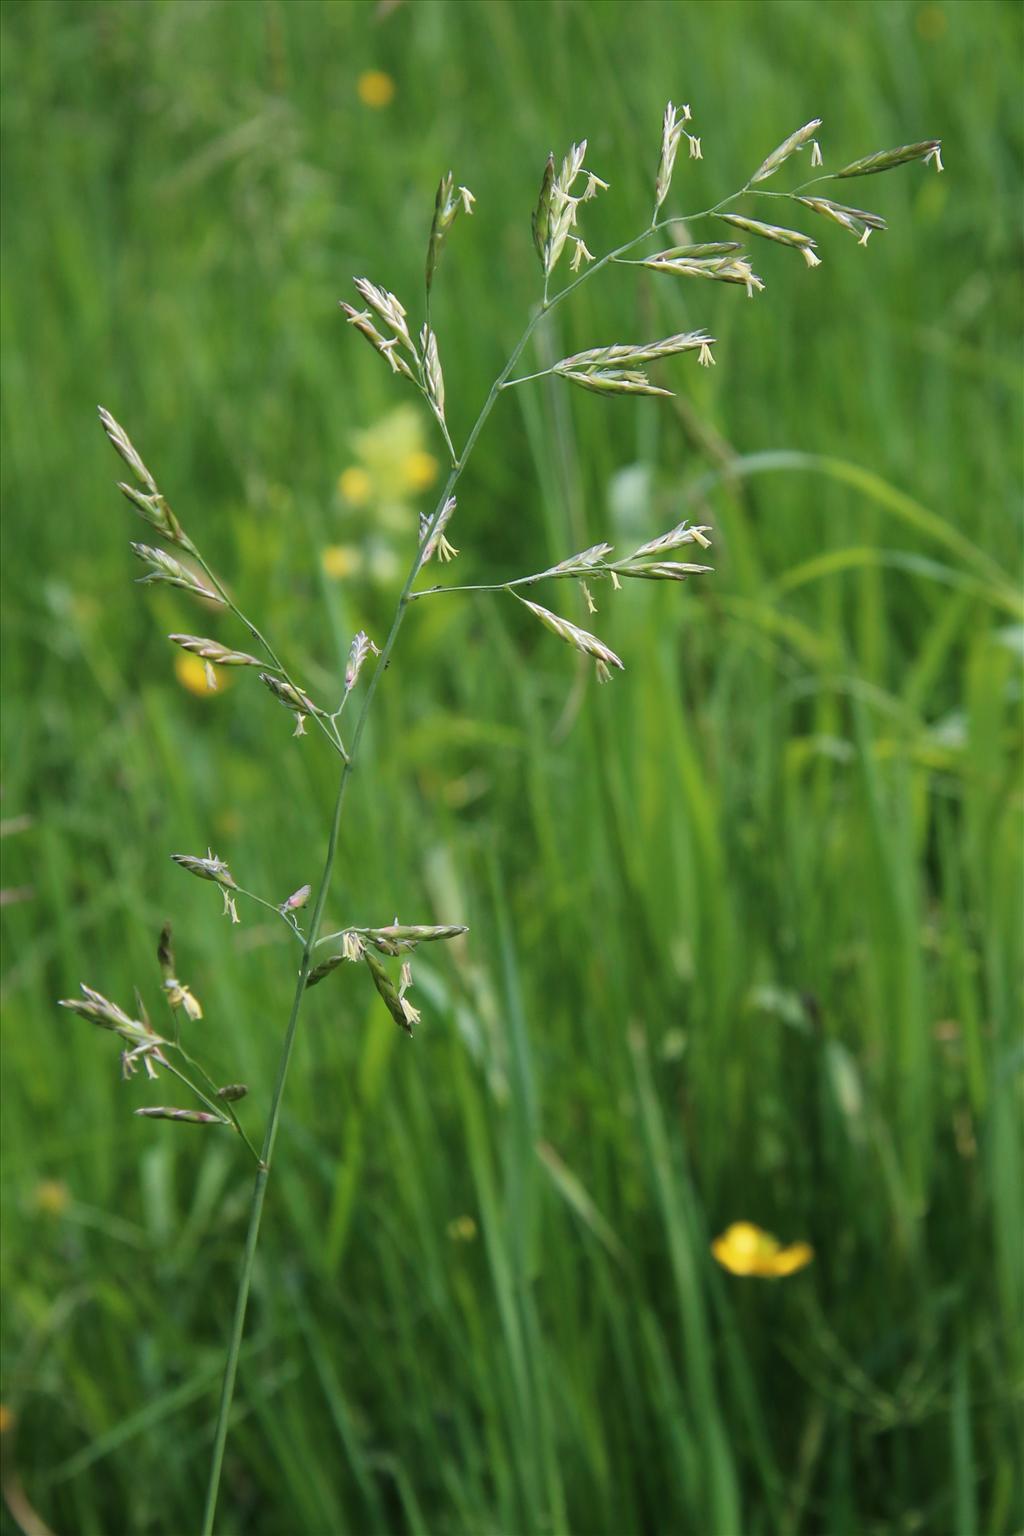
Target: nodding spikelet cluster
436, 540
555, 215
211, 868
358, 943
617, 369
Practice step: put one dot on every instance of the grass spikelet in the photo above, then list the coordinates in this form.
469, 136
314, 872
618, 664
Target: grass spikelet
579, 639
928, 150
788, 147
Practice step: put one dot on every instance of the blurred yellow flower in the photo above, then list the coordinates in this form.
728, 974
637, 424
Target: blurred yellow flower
191, 672
462, 1229
744, 1249
340, 560
419, 470
51, 1196
375, 88
355, 485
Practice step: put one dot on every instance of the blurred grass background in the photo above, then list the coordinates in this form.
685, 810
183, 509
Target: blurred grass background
745, 925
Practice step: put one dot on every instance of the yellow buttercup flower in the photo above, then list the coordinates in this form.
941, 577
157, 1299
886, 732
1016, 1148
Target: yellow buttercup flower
375, 88
355, 485
340, 560
51, 1196
744, 1249
194, 674
419, 470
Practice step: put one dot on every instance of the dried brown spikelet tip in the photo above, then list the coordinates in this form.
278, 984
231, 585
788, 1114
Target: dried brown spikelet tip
788, 147
178, 994
579, 639
927, 150
165, 952
212, 650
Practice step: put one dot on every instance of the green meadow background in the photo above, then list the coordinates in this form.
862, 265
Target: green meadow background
745, 926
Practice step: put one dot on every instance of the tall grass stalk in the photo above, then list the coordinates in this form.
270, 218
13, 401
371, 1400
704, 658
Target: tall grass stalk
618, 369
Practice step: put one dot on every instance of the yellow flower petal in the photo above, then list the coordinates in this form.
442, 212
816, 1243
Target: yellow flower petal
744, 1249
375, 88
419, 470
51, 1196
191, 674
340, 560
355, 485
462, 1229
789, 1260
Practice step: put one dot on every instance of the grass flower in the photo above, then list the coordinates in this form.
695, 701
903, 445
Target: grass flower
744, 1249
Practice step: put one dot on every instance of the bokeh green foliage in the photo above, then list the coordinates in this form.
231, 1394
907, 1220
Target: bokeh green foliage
745, 925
